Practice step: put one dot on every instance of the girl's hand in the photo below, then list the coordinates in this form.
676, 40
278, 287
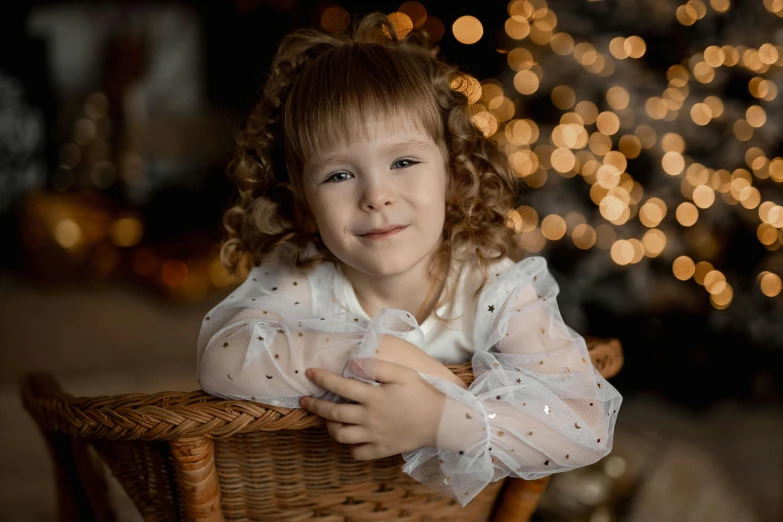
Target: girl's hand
403, 414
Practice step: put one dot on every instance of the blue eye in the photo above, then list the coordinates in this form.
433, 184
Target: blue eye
412, 162
330, 178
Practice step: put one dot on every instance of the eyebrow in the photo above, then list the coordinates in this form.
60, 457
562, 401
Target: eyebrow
394, 148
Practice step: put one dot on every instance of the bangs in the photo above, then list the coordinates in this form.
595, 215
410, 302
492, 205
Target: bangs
354, 93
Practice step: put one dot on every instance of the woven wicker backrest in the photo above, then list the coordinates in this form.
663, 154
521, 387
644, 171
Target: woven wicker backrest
191, 456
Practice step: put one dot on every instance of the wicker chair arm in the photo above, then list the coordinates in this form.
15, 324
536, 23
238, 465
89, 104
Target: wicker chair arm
174, 415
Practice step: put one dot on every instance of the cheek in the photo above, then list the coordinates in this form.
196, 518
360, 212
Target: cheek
431, 194
331, 215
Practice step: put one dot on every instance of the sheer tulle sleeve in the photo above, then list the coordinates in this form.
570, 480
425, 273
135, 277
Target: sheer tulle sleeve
257, 343
537, 406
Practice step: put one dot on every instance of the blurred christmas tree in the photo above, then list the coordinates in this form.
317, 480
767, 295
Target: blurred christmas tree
646, 133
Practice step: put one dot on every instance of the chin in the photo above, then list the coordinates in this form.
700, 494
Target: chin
384, 264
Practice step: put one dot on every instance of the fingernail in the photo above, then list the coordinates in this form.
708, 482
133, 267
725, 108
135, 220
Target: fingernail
309, 373
303, 402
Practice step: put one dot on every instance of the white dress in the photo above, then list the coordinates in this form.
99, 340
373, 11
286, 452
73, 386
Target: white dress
537, 406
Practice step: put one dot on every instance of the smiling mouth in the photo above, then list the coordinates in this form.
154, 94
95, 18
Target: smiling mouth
384, 234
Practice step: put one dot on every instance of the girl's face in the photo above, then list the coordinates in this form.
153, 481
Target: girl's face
399, 178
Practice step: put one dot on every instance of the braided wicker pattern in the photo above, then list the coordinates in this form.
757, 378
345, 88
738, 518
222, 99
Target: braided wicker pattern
191, 456
165, 415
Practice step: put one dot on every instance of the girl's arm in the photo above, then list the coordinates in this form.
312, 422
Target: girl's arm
537, 405
391, 349
400, 351
257, 343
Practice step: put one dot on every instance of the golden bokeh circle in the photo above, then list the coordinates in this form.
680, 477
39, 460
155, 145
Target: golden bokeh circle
683, 268
584, 236
720, 6
656, 108
634, 46
701, 114
672, 141
714, 56
756, 116
553, 227
608, 123
767, 234
562, 44
587, 110
715, 282
687, 214
402, 24
685, 14
562, 159
673, 163
529, 218
630, 146
771, 284
617, 98
617, 48
599, 143
654, 242
622, 252
517, 27
703, 196
715, 104
520, 59
651, 215
467, 29
526, 82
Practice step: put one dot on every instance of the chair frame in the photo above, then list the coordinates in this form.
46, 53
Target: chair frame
191, 422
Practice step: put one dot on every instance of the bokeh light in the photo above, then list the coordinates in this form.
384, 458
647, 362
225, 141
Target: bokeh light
467, 29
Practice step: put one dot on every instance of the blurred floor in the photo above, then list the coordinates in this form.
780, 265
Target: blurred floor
111, 339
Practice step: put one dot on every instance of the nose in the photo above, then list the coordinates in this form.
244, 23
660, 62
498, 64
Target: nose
377, 194
376, 206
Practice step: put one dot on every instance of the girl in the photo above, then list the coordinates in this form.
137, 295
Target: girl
372, 222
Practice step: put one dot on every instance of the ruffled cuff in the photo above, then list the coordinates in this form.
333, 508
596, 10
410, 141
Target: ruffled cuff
515, 422
461, 464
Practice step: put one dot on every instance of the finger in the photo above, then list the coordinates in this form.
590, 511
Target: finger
347, 433
387, 372
368, 451
331, 411
363, 452
352, 389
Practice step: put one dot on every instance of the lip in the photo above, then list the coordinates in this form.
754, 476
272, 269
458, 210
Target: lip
388, 233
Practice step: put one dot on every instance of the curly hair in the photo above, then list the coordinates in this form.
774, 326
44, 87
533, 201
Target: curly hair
325, 86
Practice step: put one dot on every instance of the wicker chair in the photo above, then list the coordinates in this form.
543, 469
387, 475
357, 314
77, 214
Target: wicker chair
191, 456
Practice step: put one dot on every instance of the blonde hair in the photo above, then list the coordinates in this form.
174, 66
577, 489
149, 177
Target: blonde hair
324, 87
